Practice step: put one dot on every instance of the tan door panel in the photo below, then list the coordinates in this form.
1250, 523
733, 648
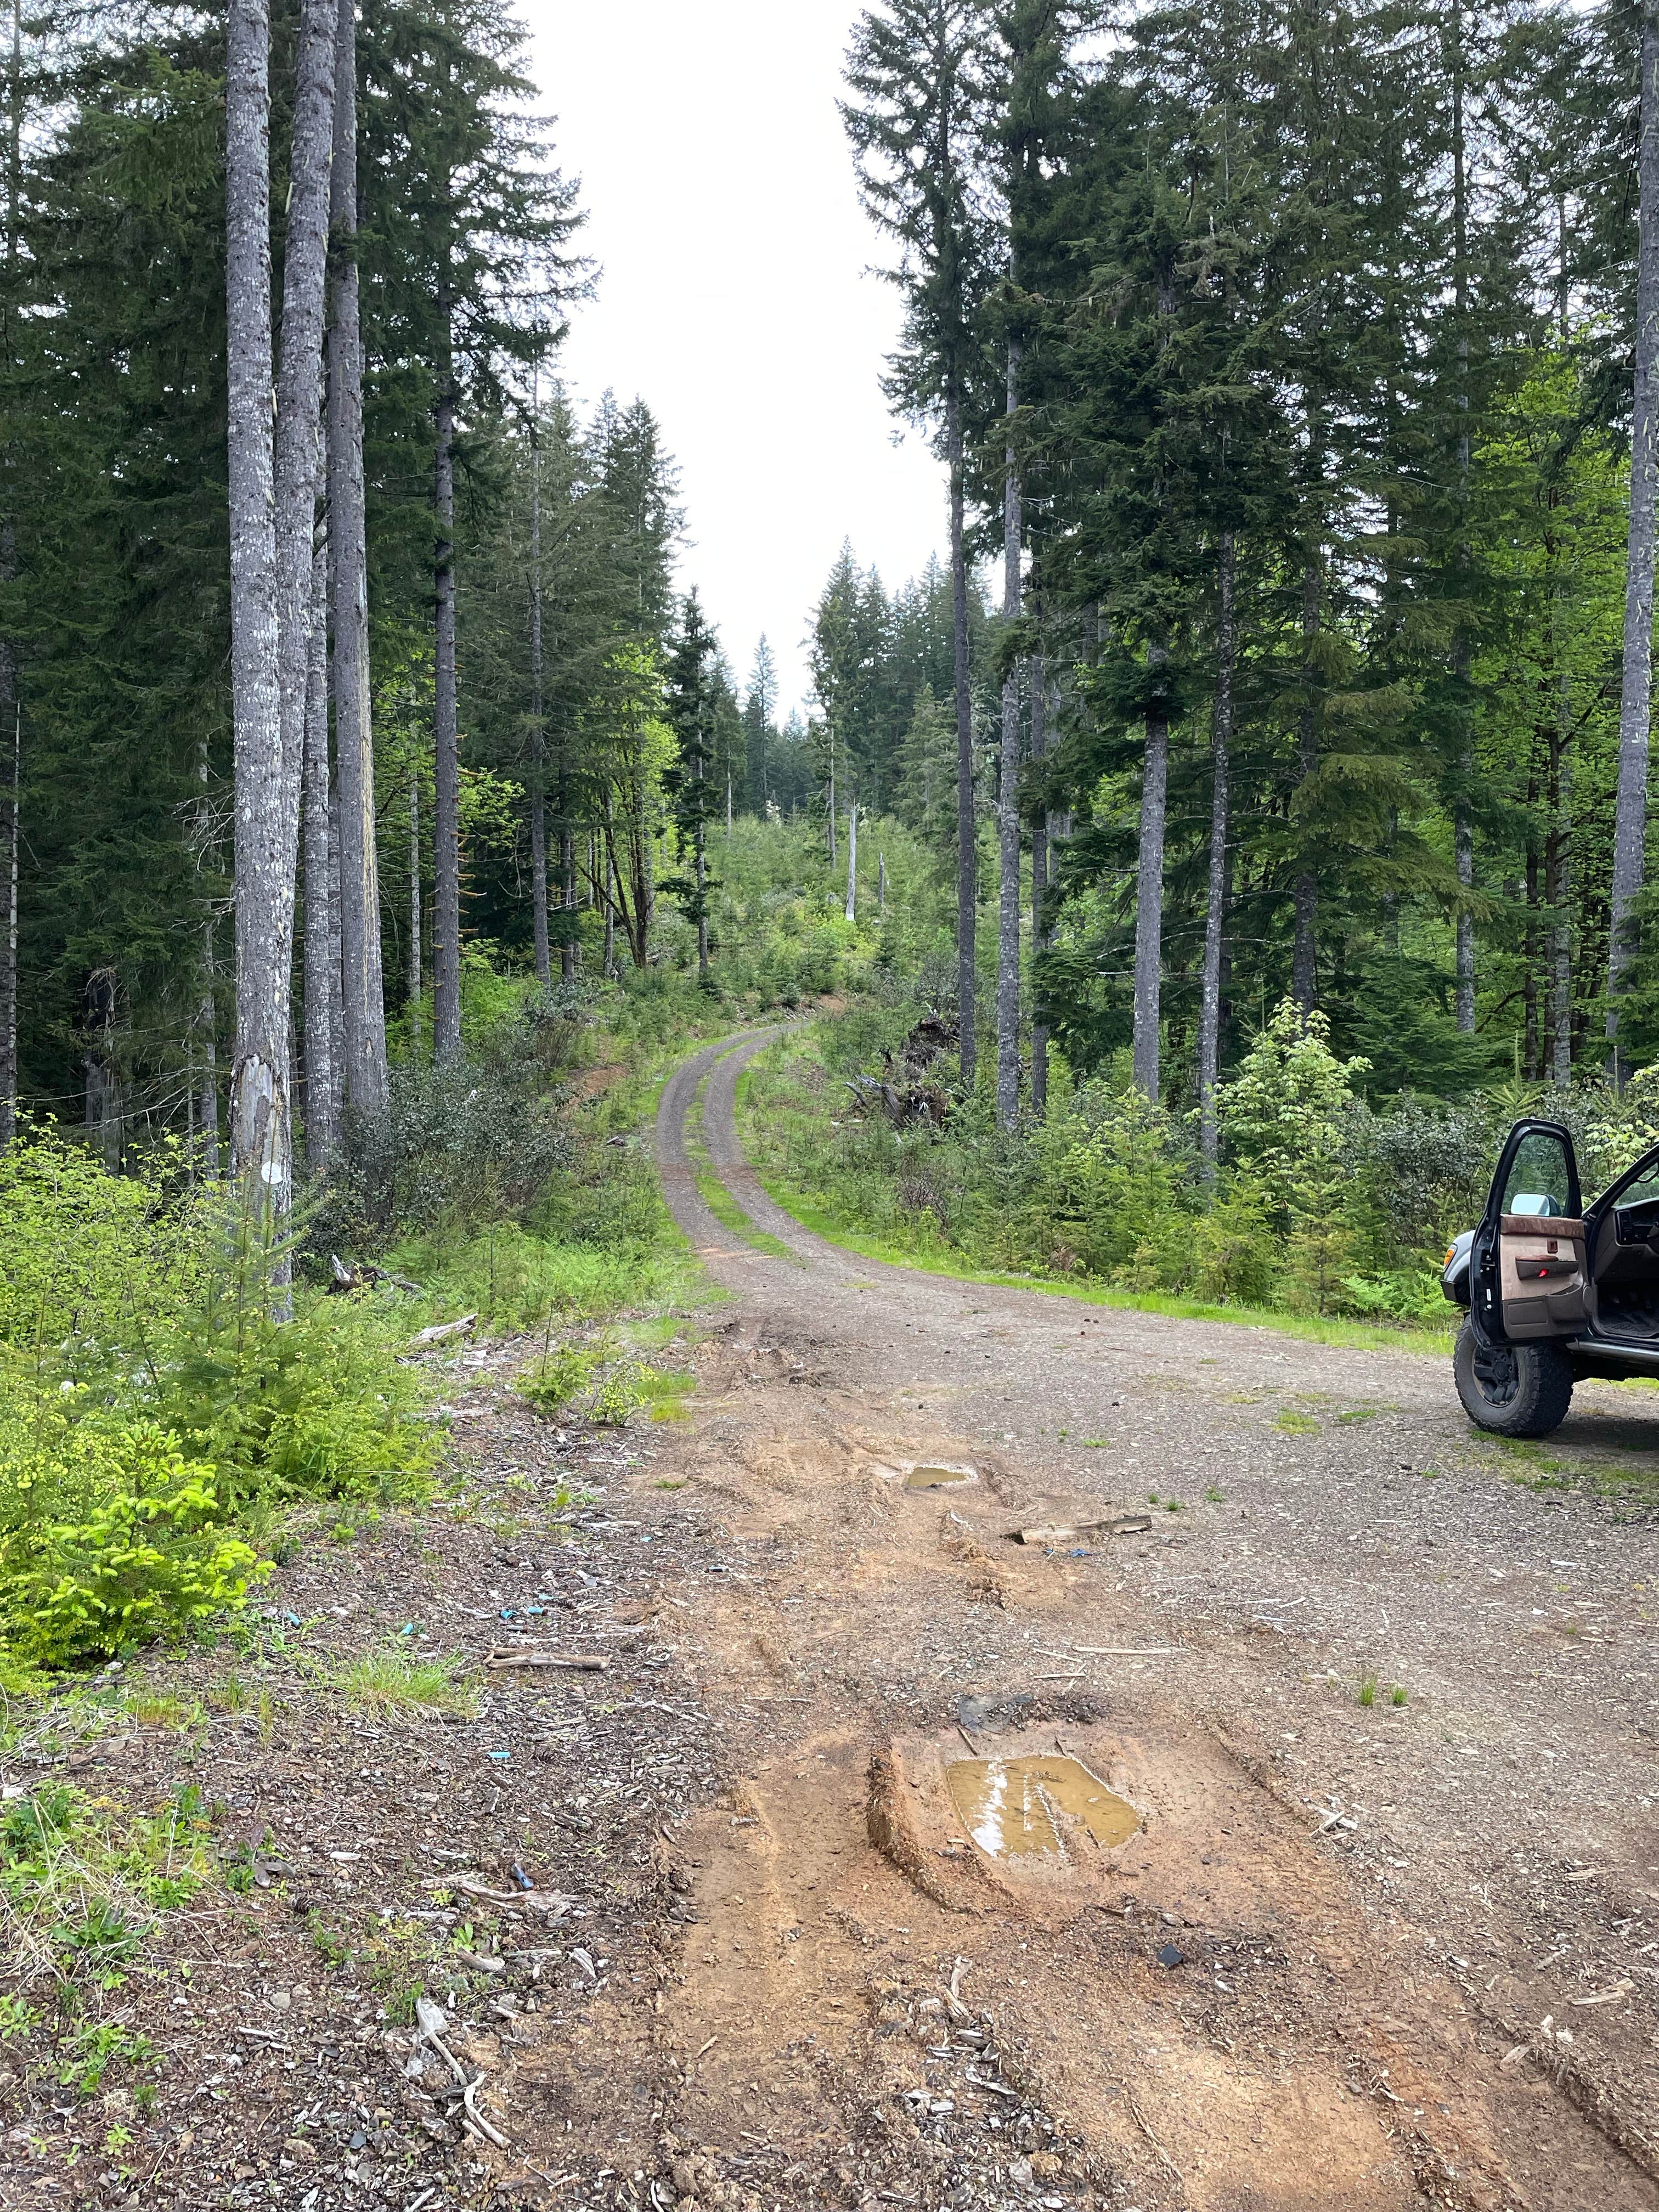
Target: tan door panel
1541, 1267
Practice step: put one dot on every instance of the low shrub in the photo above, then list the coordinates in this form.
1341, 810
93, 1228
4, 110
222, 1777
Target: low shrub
1318, 1203
143, 1556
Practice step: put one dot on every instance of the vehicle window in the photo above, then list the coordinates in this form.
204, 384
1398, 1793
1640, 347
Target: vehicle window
1539, 1180
1643, 1191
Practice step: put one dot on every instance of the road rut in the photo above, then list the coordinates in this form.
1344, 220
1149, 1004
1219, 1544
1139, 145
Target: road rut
1360, 1952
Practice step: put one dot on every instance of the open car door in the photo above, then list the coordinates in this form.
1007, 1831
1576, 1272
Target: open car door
1528, 1277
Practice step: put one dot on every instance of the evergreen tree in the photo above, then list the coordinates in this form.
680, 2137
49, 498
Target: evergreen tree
913, 119
694, 694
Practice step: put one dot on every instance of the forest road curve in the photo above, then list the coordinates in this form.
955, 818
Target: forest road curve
1385, 1926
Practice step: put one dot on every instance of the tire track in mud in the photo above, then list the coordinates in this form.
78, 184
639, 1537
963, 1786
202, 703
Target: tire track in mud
1315, 2042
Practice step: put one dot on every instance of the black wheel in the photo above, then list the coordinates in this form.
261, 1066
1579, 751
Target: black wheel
1514, 1390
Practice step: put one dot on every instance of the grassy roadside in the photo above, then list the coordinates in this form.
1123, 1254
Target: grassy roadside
757, 1100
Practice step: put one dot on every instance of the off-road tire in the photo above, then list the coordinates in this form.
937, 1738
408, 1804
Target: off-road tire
1513, 1390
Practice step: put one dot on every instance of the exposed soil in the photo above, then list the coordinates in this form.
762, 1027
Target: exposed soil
1355, 1955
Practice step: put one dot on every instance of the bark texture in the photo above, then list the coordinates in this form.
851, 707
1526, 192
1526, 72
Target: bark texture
321, 970
852, 862
1215, 918
1463, 851
1037, 680
538, 736
413, 964
1304, 948
361, 980
1008, 837
1631, 807
967, 847
446, 794
260, 1136
1149, 890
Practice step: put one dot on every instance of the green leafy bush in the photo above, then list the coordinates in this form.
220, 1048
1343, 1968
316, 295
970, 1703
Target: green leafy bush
314, 1407
142, 1556
558, 1377
89, 1262
469, 1140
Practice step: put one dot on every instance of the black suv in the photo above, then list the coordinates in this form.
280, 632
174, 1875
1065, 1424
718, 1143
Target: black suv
1554, 1289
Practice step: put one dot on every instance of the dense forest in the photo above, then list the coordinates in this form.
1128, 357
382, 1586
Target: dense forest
1285, 368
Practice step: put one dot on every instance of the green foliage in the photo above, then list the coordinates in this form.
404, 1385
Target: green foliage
558, 1377
399, 1678
82, 1882
1291, 1098
1318, 1205
146, 1559
315, 1407
149, 1400
90, 1262
473, 1141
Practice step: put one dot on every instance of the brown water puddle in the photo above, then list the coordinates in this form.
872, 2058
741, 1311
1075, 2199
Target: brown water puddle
1010, 1806
936, 1478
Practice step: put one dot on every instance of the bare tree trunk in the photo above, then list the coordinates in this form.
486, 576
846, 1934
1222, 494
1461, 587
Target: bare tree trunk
538, 735
273, 488
209, 1159
412, 980
1215, 919
1008, 837
260, 1136
967, 844
322, 1125
1305, 949
1630, 811
299, 393
700, 867
852, 908
103, 1090
11, 711
1037, 680
337, 1042
881, 883
1561, 928
1464, 853
568, 885
1149, 889
363, 1071
11, 714
205, 1053
1462, 656
446, 808
609, 891
829, 724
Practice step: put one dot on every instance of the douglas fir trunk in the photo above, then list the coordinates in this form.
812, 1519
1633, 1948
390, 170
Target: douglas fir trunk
363, 1002
1630, 819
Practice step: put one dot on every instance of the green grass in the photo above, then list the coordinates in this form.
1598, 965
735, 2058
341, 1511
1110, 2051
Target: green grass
790, 1137
83, 1882
1536, 1467
396, 1679
1292, 1424
1310, 1329
714, 1193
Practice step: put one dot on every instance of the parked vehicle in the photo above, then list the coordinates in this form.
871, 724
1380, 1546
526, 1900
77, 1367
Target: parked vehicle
1554, 1289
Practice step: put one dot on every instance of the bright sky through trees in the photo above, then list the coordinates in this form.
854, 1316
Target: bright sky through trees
734, 295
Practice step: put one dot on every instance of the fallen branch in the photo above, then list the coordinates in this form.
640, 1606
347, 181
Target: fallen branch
440, 1332
531, 1655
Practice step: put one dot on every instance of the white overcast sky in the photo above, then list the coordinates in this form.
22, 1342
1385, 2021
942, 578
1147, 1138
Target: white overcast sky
734, 295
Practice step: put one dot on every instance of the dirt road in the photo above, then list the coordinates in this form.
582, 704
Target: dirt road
731, 1914
1356, 1952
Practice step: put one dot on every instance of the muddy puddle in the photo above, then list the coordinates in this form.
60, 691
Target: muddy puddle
937, 1478
1017, 1808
